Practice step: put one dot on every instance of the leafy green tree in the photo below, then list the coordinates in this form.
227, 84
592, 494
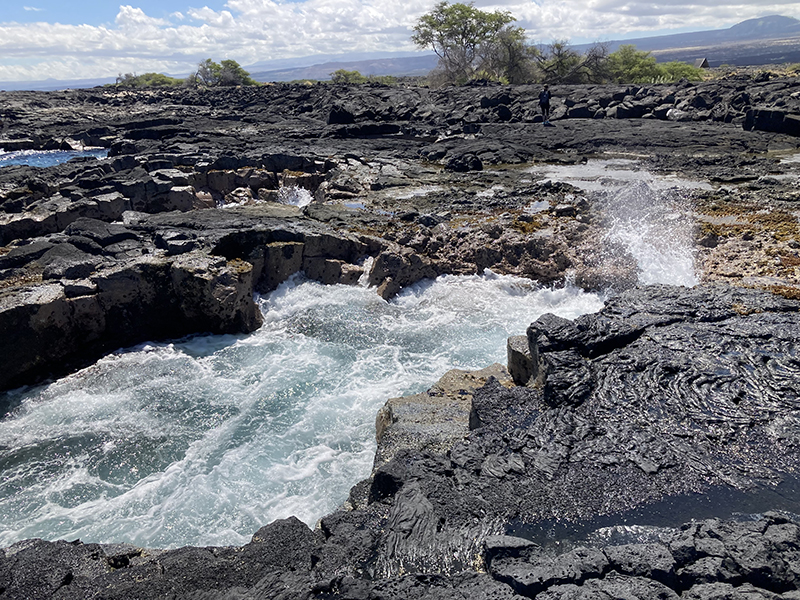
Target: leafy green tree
233, 74
629, 65
227, 73
463, 37
208, 72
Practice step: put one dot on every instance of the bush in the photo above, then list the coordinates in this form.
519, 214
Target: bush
347, 77
226, 73
129, 80
629, 65
675, 70
355, 78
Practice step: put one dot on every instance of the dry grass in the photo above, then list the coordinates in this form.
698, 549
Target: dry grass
787, 291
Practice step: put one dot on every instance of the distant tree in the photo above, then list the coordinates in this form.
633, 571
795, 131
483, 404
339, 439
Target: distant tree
465, 39
233, 74
559, 62
227, 73
629, 65
596, 65
208, 72
508, 58
347, 77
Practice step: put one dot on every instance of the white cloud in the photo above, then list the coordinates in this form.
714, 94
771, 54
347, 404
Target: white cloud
32, 9
134, 18
222, 19
252, 30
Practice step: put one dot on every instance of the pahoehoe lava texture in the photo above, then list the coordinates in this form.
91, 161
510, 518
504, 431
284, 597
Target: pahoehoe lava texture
665, 392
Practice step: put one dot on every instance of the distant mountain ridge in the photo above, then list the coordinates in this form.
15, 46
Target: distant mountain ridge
400, 66
763, 28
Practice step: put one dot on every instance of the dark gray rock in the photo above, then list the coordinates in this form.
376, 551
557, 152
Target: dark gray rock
666, 403
651, 561
65, 261
101, 232
611, 588
529, 577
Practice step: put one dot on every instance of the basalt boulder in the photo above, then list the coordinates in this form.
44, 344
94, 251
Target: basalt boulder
51, 328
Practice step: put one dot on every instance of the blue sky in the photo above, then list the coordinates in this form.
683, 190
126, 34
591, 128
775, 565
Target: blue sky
83, 39
93, 12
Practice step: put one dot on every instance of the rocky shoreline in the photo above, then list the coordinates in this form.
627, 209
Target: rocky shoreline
668, 400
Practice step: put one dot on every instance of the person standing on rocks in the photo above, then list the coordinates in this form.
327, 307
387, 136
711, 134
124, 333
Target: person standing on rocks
544, 103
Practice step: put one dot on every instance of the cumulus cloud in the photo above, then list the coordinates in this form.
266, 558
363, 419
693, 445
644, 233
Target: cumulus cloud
135, 18
253, 30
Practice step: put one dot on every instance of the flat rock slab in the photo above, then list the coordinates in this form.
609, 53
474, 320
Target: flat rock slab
434, 420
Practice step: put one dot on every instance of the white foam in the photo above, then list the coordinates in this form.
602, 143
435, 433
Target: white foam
656, 228
295, 195
206, 440
416, 192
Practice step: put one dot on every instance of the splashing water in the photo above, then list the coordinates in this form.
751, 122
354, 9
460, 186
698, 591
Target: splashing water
654, 227
645, 214
203, 441
616, 173
294, 195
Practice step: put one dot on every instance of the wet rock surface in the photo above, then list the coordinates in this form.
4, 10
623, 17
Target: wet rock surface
609, 459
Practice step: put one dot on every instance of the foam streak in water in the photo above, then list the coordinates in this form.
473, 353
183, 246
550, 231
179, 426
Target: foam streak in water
203, 441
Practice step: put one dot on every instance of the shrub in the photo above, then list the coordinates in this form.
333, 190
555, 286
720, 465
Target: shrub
129, 80
675, 70
226, 73
347, 77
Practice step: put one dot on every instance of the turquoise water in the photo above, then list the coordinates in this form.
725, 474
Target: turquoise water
203, 441
47, 158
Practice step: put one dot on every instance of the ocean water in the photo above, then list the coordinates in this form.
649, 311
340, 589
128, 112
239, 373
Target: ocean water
202, 441
47, 158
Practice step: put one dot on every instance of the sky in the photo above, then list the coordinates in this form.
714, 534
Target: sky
86, 39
